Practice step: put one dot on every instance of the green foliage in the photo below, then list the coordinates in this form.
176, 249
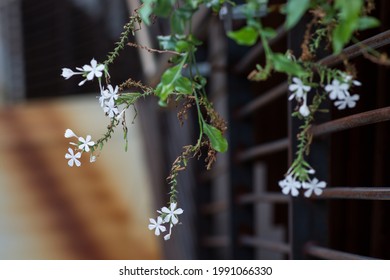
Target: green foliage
246, 36
367, 23
218, 142
349, 12
295, 9
283, 64
169, 81
146, 10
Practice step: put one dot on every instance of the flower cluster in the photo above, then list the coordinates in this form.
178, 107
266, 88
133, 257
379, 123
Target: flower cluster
83, 145
338, 90
298, 176
290, 185
109, 100
167, 215
108, 95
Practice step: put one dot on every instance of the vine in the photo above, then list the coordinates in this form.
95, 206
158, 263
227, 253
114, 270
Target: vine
333, 25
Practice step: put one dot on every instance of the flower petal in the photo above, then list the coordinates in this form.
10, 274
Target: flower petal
165, 210
69, 133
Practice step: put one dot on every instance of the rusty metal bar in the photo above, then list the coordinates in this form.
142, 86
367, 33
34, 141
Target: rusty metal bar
264, 99
214, 207
256, 51
266, 197
355, 193
215, 241
263, 149
330, 254
375, 42
357, 120
265, 244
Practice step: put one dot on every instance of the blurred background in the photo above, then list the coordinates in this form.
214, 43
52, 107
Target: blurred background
236, 210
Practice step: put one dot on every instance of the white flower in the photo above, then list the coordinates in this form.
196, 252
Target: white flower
304, 109
168, 236
347, 78
289, 184
69, 133
111, 93
85, 143
298, 89
110, 109
348, 101
92, 158
313, 186
156, 225
67, 73
82, 82
94, 70
171, 213
73, 158
119, 117
337, 90
103, 97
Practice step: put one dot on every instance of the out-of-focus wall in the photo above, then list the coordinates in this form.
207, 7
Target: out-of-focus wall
49, 210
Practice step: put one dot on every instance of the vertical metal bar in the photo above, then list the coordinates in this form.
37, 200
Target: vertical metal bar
307, 219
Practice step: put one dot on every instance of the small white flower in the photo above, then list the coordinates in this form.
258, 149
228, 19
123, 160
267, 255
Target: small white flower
289, 184
119, 117
348, 78
111, 93
85, 143
168, 236
313, 186
67, 73
92, 158
304, 109
337, 90
171, 213
349, 101
73, 158
82, 82
298, 89
69, 133
110, 109
94, 70
103, 97
156, 226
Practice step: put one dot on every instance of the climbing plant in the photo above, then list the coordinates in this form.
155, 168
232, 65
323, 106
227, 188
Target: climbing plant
332, 25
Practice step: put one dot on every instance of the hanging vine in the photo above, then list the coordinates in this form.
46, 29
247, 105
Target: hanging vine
333, 25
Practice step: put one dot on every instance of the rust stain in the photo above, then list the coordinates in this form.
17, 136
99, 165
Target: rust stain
94, 221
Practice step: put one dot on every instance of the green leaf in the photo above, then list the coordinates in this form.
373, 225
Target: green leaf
218, 142
146, 10
163, 8
183, 85
349, 12
295, 10
169, 81
367, 23
246, 36
177, 23
283, 64
269, 32
182, 46
167, 42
